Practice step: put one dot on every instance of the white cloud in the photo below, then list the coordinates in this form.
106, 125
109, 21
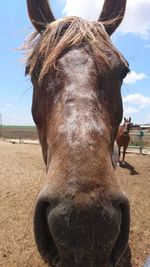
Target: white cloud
148, 117
130, 110
137, 18
137, 99
146, 46
9, 105
88, 9
133, 77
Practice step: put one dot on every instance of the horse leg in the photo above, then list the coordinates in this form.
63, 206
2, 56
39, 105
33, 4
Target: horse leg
124, 152
119, 154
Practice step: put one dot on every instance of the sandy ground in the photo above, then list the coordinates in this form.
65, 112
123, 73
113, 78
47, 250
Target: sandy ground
22, 175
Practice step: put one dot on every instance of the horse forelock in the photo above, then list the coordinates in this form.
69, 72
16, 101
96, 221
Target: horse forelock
44, 50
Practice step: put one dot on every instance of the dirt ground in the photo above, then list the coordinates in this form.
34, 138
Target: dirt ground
22, 175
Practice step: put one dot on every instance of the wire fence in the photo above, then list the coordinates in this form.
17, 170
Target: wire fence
140, 144
19, 134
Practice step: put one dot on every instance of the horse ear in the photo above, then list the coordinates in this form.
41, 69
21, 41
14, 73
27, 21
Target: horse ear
112, 14
129, 119
125, 119
40, 14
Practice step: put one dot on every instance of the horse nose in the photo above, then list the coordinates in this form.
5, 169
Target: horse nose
67, 232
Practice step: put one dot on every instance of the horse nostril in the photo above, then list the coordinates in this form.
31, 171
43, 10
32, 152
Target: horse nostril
43, 238
121, 243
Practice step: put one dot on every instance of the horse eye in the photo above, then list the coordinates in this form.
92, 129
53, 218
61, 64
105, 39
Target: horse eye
124, 72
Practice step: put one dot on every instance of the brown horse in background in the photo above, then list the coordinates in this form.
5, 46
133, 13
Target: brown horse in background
82, 216
123, 137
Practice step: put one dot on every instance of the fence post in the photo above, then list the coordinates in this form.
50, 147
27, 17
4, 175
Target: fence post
1, 126
141, 145
3, 134
20, 141
141, 134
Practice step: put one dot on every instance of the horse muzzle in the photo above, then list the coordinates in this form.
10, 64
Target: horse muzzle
70, 234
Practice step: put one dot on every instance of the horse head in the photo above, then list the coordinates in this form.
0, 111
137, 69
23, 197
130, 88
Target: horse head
127, 125
81, 215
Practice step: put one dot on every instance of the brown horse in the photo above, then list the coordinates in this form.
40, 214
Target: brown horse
123, 137
81, 215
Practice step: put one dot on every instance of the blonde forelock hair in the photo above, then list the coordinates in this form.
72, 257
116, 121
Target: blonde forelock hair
44, 49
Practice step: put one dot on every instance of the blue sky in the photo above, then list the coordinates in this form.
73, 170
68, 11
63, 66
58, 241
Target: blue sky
132, 39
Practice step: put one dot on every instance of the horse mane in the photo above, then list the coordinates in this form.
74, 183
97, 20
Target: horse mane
44, 49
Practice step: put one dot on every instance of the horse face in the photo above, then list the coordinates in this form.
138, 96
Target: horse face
127, 125
81, 216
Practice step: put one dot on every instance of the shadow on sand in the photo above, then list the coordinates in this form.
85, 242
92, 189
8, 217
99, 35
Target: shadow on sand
129, 167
